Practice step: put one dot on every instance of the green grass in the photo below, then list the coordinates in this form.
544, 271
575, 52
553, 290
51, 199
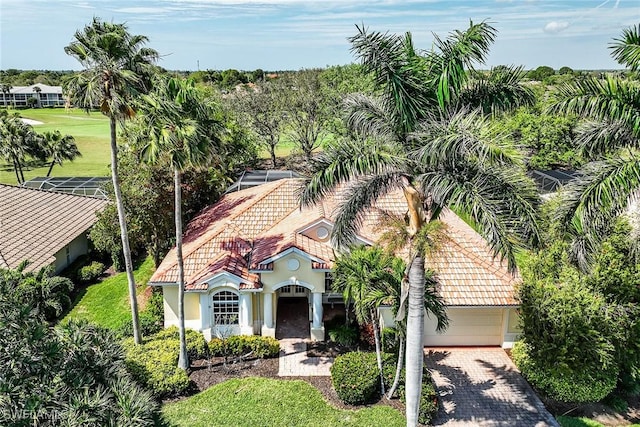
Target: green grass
267, 402
582, 422
91, 132
107, 303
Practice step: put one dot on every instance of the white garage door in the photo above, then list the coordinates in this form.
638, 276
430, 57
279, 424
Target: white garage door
467, 326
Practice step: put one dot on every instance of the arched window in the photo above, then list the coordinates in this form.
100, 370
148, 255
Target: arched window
225, 308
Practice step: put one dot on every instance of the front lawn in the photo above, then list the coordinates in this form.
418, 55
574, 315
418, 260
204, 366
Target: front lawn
267, 402
107, 302
582, 422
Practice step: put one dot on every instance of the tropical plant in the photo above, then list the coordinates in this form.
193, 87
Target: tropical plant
181, 127
60, 148
610, 139
428, 137
116, 69
19, 142
73, 375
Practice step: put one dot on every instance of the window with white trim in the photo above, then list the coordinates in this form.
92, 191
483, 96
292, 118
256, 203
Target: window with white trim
226, 308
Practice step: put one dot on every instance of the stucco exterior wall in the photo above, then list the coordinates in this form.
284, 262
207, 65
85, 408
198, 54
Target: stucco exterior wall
78, 246
283, 275
191, 308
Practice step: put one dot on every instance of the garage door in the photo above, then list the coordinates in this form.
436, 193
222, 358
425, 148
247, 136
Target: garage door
467, 326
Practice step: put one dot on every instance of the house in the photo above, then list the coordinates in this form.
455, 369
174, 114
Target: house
46, 228
46, 96
256, 251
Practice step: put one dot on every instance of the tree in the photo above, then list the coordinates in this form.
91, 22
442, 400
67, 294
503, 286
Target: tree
37, 90
6, 91
264, 109
427, 136
609, 139
180, 127
306, 109
116, 69
18, 142
60, 148
541, 73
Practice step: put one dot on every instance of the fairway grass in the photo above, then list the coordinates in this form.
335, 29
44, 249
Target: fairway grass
91, 132
256, 402
106, 303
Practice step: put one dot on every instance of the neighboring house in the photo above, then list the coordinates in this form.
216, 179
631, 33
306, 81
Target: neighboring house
47, 96
44, 227
256, 251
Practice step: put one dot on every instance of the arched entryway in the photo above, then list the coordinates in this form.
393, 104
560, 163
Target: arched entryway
293, 312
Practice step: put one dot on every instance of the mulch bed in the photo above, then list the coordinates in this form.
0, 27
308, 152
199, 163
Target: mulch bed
207, 373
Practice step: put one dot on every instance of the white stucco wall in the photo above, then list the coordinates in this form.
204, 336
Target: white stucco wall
191, 308
78, 246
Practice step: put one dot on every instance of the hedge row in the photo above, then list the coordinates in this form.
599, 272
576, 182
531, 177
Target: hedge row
238, 345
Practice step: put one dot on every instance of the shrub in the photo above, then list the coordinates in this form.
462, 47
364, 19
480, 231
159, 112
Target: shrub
344, 335
238, 345
149, 325
196, 344
355, 377
563, 384
90, 273
154, 364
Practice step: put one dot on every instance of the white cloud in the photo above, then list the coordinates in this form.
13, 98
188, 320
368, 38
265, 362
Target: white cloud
556, 27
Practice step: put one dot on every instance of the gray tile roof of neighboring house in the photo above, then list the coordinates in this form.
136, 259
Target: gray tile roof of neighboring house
29, 89
35, 224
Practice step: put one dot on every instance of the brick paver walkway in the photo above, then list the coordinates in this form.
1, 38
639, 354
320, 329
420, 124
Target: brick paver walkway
482, 387
294, 361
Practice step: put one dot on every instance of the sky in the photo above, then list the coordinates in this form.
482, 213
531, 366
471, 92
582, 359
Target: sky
295, 34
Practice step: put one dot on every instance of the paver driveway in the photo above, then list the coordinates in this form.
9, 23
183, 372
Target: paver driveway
482, 387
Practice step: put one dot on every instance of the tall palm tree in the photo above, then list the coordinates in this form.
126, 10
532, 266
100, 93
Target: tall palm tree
179, 126
6, 91
610, 138
37, 90
18, 142
60, 147
116, 69
427, 135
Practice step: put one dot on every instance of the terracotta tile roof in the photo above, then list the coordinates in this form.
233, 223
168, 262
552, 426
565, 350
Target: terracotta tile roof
229, 262
36, 224
263, 221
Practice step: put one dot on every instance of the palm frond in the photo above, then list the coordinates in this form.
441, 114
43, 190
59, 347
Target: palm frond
501, 202
611, 99
626, 49
597, 138
500, 90
347, 160
591, 203
369, 116
358, 198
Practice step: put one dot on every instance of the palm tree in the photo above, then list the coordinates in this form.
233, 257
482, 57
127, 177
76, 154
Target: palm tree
180, 127
18, 141
610, 138
428, 136
60, 148
6, 91
357, 274
116, 69
37, 91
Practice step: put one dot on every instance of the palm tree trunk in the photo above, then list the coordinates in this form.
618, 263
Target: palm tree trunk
15, 168
126, 250
415, 333
50, 168
400, 364
376, 337
183, 358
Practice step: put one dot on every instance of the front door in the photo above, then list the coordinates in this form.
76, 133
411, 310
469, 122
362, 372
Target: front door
292, 319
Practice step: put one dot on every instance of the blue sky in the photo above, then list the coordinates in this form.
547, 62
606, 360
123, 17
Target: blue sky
294, 34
